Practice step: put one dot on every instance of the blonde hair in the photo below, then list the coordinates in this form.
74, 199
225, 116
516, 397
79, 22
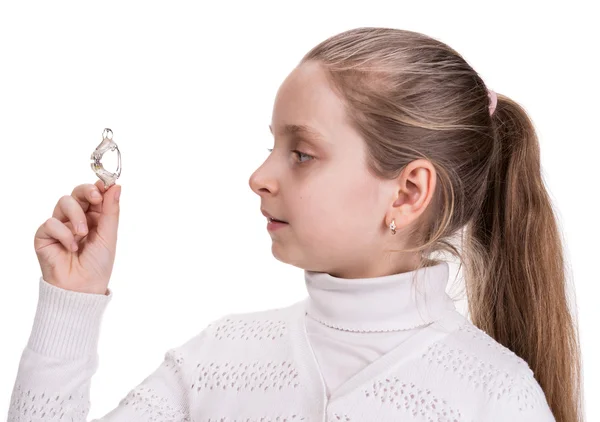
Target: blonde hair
410, 97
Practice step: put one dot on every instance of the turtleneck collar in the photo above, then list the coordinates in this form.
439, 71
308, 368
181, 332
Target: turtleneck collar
386, 303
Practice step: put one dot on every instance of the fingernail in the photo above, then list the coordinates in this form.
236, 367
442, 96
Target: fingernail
81, 228
74, 246
95, 194
117, 195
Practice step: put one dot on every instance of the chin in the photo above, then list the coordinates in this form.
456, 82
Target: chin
278, 253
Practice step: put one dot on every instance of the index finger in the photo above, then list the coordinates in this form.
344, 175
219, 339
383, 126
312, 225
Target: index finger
83, 195
100, 185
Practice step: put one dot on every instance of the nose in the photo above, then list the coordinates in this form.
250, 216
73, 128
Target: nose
261, 183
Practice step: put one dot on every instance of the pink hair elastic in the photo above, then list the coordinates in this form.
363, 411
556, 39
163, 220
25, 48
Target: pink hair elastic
493, 100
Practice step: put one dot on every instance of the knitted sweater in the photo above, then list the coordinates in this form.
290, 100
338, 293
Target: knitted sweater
353, 350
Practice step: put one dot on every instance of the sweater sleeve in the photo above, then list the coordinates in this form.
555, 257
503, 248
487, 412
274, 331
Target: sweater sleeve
57, 364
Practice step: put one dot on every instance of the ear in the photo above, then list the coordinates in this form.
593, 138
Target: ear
414, 191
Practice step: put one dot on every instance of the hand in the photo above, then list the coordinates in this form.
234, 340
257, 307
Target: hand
88, 268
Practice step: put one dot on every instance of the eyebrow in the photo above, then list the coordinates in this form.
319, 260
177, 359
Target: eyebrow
293, 129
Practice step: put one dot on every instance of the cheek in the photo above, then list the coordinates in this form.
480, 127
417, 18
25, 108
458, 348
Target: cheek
361, 195
332, 210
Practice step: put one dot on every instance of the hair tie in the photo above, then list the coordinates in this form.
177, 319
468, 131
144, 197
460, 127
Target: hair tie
493, 101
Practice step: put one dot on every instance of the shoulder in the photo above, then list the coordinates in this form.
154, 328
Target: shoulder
504, 382
258, 325
479, 347
250, 327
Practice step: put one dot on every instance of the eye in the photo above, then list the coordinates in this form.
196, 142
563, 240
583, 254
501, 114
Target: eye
299, 153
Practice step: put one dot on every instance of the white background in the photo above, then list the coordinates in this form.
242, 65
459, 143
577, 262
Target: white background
188, 90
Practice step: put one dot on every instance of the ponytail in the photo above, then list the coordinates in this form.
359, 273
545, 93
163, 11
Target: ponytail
516, 281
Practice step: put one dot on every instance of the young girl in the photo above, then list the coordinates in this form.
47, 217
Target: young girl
387, 147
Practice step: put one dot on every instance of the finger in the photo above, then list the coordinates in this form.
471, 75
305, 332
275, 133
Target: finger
95, 208
69, 209
89, 196
100, 185
108, 220
84, 195
54, 229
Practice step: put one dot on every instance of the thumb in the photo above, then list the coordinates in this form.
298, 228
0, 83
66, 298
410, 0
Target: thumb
108, 222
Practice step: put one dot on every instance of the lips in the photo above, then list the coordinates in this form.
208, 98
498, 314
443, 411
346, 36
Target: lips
271, 218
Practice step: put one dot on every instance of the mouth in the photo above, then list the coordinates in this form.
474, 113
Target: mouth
272, 219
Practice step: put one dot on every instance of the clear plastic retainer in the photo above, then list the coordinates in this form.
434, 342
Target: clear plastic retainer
107, 144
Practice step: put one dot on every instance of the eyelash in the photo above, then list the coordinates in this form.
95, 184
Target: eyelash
296, 152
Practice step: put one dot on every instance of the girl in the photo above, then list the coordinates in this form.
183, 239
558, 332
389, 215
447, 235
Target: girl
388, 146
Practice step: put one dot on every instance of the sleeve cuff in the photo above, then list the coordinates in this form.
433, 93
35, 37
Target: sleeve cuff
67, 323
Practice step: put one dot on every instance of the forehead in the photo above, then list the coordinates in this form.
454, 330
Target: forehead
306, 98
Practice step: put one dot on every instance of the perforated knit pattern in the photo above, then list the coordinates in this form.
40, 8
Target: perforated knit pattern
408, 398
337, 418
255, 329
522, 387
496, 383
154, 408
31, 404
266, 375
173, 360
481, 336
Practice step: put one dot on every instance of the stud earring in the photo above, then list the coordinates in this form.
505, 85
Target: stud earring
393, 227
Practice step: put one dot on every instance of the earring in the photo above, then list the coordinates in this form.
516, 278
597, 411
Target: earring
393, 227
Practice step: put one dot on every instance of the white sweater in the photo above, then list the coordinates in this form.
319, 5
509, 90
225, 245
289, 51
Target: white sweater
353, 350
